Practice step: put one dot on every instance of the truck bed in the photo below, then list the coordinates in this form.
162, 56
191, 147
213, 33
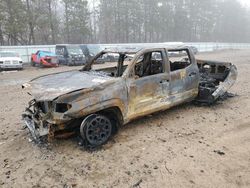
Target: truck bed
216, 78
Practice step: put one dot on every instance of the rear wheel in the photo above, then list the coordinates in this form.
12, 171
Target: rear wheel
69, 63
41, 65
32, 63
96, 130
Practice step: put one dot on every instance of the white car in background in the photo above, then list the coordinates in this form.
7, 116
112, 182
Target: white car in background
10, 60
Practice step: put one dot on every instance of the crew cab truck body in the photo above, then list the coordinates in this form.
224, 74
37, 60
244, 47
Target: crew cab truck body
95, 102
10, 60
69, 54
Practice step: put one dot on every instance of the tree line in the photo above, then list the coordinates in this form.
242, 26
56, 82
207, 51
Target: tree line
33, 22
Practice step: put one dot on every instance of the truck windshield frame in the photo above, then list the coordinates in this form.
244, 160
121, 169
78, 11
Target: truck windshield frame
113, 69
72, 49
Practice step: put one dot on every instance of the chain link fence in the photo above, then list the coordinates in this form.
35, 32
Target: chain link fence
212, 46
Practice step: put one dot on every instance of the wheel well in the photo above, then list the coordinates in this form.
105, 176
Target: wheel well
115, 115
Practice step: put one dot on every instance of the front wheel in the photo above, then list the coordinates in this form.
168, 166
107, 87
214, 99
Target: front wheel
96, 130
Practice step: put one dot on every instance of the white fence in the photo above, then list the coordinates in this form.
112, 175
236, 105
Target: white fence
212, 46
26, 51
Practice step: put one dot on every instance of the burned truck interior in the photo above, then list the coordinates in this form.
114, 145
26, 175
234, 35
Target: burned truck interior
150, 63
178, 59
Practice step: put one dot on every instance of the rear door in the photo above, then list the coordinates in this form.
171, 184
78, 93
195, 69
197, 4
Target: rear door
184, 76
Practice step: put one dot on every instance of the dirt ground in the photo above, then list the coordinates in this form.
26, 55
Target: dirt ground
187, 146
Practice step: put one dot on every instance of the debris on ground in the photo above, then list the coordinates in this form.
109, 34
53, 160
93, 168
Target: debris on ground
219, 152
138, 183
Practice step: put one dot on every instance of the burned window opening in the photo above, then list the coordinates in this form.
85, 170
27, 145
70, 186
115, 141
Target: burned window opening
149, 64
179, 59
115, 63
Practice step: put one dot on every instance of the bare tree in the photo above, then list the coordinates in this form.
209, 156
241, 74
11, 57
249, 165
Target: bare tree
31, 25
114, 21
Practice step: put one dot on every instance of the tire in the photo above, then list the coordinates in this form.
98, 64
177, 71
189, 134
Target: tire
41, 65
69, 63
32, 63
96, 130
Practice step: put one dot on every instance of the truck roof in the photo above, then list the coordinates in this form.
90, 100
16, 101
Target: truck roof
133, 50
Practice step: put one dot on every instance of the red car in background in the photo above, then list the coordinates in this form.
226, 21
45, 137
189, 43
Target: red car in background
44, 59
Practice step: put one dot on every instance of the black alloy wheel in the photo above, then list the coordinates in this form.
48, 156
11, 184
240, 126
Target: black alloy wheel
96, 130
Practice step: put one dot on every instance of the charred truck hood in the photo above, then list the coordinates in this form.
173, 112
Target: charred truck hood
50, 87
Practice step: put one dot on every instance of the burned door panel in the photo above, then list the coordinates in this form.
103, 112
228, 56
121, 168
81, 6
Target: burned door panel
184, 76
146, 94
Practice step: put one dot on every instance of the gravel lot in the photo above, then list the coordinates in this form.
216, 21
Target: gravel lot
187, 146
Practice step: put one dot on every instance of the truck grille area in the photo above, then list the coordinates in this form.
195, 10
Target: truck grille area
43, 106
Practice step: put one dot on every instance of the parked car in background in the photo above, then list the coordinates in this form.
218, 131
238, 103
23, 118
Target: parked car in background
70, 55
44, 59
91, 50
10, 60
194, 49
111, 57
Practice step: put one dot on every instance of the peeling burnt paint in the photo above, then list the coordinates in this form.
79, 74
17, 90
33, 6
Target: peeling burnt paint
63, 100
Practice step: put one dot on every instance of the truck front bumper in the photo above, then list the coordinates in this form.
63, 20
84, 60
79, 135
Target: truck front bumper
17, 66
36, 128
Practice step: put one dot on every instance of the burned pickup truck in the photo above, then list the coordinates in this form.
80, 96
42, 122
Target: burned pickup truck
94, 102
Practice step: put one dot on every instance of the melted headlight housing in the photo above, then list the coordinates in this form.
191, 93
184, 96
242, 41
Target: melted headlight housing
62, 107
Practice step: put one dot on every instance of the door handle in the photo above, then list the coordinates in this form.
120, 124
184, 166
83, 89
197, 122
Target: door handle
132, 86
193, 74
164, 81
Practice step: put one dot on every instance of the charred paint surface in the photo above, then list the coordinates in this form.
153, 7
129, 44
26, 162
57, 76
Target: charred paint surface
63, 100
